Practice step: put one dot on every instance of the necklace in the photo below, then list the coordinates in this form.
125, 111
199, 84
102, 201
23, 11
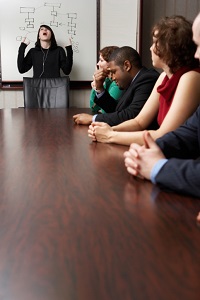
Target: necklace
44, 59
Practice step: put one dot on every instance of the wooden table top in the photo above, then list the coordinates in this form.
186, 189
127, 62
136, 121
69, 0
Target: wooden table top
74, 225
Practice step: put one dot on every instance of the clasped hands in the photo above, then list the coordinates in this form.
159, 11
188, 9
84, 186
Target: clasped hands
139, 160
101, 132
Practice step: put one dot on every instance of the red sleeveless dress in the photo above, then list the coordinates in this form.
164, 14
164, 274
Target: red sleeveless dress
167, 90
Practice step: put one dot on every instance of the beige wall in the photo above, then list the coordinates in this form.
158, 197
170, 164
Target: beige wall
153, 10
14, 99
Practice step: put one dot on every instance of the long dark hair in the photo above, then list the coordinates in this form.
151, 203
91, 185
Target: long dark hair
53, 39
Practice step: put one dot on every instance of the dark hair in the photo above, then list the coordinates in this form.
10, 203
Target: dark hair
53, 39
107, 51
120, 55
173, 42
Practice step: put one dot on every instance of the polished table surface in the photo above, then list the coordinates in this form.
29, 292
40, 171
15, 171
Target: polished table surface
75, 225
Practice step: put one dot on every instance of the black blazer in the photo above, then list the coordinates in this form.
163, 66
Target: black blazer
182, 171
131, 102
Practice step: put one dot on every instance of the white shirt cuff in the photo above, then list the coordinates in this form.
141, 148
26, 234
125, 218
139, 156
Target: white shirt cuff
93, 118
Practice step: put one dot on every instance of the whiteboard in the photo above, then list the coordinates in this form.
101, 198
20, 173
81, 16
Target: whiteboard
76, 19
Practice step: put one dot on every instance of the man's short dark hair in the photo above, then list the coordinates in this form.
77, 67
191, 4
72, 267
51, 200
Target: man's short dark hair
120, 55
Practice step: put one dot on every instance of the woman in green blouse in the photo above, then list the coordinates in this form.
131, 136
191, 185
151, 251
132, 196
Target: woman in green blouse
109, 85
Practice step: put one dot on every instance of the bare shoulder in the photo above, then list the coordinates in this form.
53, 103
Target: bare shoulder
191, 75
162, 76
190, 81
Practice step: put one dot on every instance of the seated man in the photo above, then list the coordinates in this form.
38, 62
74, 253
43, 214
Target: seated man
125, 68
173, 161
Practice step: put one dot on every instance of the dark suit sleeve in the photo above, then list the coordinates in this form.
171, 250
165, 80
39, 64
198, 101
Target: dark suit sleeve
182, 172
184, 141
182, 176
132, 101
106, 102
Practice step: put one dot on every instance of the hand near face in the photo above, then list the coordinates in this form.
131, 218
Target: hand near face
100, 131
26, 41
83, 119
70, 41
93, 84
99, 78
139, 160
100, 74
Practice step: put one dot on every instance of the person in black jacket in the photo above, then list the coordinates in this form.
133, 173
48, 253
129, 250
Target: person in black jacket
172, 162
46, 58
136, 80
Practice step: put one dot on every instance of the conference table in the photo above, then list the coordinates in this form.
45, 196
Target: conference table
74, 225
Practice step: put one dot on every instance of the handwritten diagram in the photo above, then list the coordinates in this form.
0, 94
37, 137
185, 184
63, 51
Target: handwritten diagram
75, 20
57, 18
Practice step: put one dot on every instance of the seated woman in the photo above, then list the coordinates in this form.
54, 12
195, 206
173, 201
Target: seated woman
109, 84
176, 93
